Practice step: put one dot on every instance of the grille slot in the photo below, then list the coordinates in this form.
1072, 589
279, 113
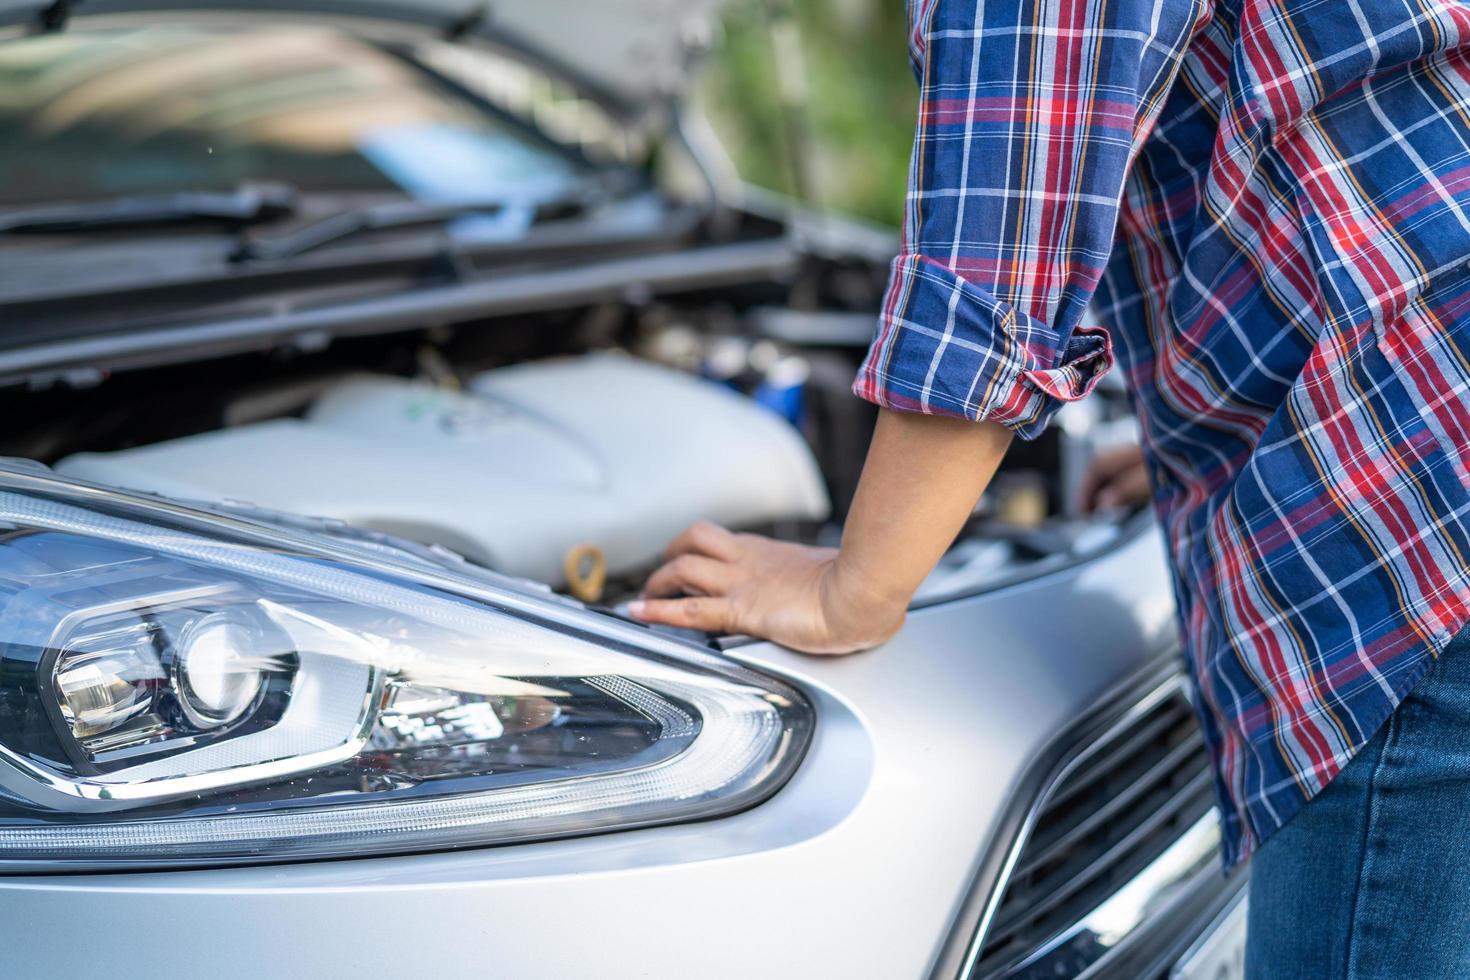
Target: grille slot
1123, 803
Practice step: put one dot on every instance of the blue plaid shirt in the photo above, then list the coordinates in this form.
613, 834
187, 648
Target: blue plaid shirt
1269, 203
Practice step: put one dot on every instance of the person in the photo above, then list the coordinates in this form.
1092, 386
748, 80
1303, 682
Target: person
1267, 202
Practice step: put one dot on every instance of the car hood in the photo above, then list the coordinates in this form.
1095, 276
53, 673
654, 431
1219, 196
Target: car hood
635, 55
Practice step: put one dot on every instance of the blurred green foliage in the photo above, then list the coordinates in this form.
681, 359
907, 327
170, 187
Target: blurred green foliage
839, 136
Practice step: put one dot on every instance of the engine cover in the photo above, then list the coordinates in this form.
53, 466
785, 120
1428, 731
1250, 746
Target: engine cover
529, 462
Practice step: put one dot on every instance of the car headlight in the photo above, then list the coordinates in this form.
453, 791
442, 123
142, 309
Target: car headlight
178, 686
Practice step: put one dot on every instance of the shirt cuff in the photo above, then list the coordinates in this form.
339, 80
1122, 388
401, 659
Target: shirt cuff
947, 346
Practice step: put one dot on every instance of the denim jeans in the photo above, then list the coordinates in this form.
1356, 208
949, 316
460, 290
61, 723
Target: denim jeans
1371, 879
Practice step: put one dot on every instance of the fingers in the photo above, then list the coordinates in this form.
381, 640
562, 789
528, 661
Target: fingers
704, 538
713, 614
1110, 462
1129, 489
1104, 469
692, 574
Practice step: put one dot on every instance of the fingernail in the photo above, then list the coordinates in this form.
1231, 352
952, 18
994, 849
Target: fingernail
635, 608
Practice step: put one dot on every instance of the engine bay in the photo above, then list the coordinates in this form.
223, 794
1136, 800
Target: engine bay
563, 449
520, 470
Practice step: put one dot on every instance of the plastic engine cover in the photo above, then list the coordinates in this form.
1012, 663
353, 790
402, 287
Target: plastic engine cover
531, 461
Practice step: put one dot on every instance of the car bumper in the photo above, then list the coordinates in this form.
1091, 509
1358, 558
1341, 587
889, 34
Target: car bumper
866, 864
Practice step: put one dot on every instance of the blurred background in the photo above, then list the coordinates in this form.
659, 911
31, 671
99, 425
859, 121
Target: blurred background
816, 99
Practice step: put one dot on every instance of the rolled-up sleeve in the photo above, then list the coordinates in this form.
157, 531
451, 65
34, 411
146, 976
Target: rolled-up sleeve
1030, 114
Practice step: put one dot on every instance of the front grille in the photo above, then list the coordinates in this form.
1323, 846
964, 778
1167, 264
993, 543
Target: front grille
1123, 802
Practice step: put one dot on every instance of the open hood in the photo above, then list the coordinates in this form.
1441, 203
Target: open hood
635, 55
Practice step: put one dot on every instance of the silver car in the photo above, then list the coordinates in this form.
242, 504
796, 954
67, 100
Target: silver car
358, 357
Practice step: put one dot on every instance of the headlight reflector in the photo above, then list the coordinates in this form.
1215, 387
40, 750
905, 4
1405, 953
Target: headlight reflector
219, 672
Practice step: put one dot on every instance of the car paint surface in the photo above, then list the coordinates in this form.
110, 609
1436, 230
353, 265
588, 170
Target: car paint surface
855, 869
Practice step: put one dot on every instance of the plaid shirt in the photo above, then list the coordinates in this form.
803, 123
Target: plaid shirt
1270, 202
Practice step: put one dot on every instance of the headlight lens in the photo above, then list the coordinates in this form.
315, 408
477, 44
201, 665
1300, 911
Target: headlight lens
177, 686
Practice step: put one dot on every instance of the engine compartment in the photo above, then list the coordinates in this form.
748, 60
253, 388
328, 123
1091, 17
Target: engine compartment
563, 448
601, 453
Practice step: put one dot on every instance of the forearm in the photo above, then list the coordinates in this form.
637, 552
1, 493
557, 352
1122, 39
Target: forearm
921, 480
920, 483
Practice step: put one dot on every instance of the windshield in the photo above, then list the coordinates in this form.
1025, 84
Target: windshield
100, 113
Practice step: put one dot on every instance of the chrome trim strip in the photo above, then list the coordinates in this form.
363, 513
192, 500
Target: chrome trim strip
1114, 724
1131, 906
1235, 906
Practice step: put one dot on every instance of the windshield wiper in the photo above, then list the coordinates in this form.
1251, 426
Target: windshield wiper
246, 205
397, 215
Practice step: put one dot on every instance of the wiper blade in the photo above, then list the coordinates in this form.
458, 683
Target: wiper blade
396, 215
246, 205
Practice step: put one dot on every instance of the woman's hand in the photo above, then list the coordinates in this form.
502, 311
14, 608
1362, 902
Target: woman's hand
802, 597
920, 482
1115, 478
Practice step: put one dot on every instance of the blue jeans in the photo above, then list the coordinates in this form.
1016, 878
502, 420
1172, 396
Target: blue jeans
1372, 878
